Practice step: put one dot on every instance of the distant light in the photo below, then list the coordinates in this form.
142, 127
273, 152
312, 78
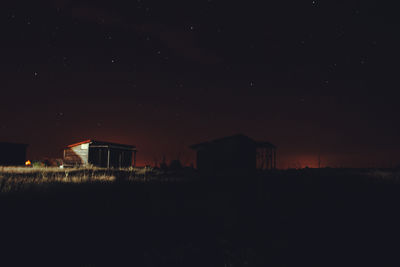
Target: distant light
28, 163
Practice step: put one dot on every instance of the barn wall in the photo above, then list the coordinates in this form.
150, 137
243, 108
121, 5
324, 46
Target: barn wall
77, 155
119, 158
98, 156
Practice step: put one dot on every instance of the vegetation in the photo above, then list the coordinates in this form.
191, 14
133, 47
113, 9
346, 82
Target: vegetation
19, 179
148, 217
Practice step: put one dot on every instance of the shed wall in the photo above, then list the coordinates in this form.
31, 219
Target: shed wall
77, 155
119, 158
98, 156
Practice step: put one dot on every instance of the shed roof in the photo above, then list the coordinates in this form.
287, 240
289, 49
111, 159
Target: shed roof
102, 143
236, 137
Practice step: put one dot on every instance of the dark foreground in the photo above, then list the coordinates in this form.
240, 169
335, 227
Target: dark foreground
299, 218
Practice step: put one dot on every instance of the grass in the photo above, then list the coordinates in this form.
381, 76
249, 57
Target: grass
144, 217
14, 179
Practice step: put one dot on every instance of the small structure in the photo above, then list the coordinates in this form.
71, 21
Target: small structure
237, 154
100, 154
12, 154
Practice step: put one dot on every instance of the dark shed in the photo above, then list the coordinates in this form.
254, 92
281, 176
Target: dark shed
237, 154
12, 154
100, 154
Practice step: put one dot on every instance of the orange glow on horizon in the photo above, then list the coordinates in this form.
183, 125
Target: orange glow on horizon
301, 162
28, 163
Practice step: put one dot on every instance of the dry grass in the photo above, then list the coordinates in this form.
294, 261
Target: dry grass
16, 179
13, 179
327, 212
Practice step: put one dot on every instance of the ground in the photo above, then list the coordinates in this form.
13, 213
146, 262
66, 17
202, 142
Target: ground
94, 217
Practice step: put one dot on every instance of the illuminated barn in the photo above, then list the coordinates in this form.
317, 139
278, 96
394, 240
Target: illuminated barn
237, 154
100, 154
12, 154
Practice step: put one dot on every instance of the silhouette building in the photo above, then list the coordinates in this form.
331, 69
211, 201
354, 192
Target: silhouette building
237, 154
100, 154
12, 154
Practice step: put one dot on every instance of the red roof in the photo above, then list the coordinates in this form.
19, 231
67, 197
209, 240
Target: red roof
96, 142
80, 143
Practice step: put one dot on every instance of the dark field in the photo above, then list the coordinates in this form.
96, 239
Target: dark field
314, 217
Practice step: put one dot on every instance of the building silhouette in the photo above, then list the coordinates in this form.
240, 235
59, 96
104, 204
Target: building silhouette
237, 154
12, 154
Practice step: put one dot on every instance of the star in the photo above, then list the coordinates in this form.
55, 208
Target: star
332, 67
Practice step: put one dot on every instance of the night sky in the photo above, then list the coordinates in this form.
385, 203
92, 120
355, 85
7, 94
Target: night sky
311, 77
